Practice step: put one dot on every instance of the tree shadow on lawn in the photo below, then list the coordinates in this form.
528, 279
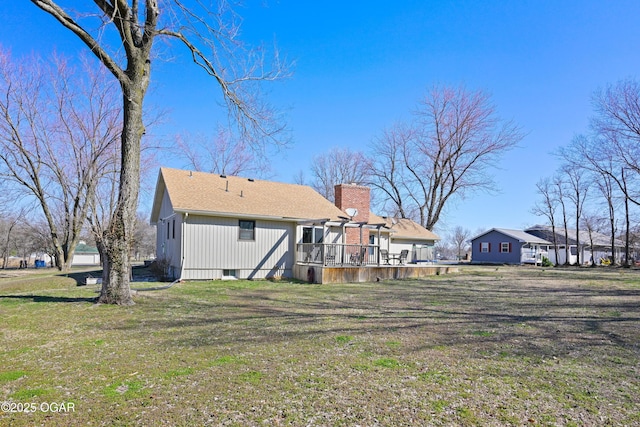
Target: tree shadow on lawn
543, 323
47, 298
81, 277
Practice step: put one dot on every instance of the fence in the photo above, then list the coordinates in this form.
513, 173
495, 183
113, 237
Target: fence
335, 254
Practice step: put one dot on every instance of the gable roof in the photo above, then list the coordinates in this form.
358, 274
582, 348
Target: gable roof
83, 249
519, 235
213, 194
599, 239
405, 228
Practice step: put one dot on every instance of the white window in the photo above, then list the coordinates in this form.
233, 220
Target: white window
312, 235
485, 247
229, 274
505, 247
247, 229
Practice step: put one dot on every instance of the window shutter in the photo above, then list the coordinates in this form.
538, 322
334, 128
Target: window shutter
489, 246
509, 247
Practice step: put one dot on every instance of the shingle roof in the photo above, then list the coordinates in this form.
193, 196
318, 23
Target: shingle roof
599, 239
83, 248
404, 228
519, 235
231, 195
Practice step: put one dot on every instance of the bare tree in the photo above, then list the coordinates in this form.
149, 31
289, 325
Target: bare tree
617, 118
223, 154
449, 149
615, 144
144, 242
444, 250
56, 123
607, 187
577, 194
387, 173
592, 223
624, 181
7, 243
613, 149
299, 178
602, 157
547, 208
560, 198
211, 38
576, 174
460, 238
337, 166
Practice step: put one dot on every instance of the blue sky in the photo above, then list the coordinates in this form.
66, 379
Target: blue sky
360, 66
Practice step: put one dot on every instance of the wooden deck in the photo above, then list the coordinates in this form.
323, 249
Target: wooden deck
359, 274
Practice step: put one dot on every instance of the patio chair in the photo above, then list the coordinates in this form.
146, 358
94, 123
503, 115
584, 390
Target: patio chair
358, 257
363, 255
330, 257
403, 255
384, 256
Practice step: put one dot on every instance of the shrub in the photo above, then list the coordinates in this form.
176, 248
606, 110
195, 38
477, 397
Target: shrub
160, 268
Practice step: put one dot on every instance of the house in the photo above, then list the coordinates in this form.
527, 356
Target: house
85, 255
505, 246
601, 245
213, 226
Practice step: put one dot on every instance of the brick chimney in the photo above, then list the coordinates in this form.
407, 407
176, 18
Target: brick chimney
357, 197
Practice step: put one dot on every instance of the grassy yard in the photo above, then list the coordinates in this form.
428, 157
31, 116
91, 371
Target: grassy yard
486, 346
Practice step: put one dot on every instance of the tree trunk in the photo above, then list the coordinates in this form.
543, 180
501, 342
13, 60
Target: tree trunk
613, 240
627, 237
578, 257
555, 241
117, 239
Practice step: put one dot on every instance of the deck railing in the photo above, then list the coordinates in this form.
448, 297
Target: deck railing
336, 254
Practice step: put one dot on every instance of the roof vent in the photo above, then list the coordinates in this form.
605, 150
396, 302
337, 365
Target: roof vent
223, 176
251, 180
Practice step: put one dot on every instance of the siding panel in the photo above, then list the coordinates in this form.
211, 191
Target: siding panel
168, 248
212, 245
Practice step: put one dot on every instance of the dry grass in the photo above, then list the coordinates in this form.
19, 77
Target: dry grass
507, 346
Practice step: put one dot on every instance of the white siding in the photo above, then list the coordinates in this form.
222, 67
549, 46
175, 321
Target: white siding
85, 259
398, 245
211, 245
333, 235
417, 250
383, 243
168, 246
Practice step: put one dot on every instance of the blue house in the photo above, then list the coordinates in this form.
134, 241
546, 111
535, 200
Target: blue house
504, 246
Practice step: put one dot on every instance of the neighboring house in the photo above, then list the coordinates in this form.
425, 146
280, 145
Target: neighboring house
213, 226
601, 245
85, 255
504, 246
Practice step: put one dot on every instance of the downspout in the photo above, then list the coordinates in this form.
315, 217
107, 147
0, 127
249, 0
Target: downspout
182, 225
